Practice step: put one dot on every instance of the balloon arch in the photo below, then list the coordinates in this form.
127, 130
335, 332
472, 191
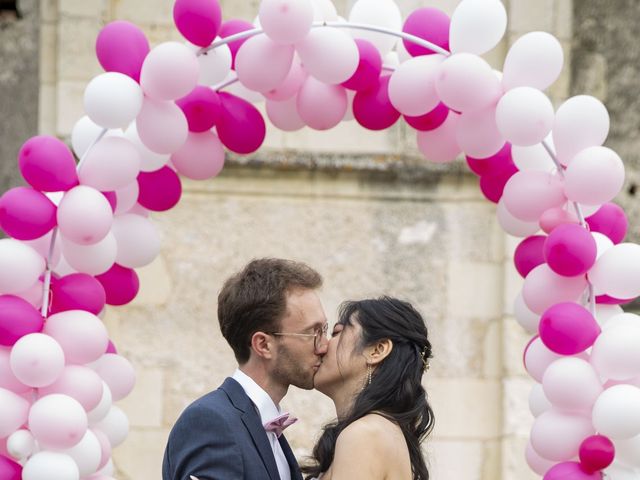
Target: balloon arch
79, 231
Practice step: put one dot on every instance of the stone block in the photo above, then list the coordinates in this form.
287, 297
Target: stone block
447, 459
514, 465
48, 11
70, 106
140, 457
472, 290
517, 418
492, 350
144, 11
47, 109
563, 19
155, 284
48, 54
76, 48
515, 339
143, 406
83, 8
527, 16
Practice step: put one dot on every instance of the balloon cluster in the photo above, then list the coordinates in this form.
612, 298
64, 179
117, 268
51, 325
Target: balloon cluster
79, 231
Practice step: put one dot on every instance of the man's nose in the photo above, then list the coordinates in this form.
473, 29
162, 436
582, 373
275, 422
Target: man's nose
323, 346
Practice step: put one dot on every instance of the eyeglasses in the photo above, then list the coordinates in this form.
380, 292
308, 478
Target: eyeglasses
318, 335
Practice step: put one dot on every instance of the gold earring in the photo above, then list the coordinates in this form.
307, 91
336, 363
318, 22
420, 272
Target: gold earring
369, 372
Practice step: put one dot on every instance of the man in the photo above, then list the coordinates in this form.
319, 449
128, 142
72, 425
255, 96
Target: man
271, 316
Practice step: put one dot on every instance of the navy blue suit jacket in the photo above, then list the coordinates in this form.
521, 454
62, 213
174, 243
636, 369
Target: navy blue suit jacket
220, 437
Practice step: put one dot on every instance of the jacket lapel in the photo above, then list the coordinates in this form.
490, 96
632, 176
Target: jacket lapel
296, 474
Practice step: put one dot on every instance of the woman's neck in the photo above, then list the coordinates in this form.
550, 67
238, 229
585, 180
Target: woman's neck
344, 397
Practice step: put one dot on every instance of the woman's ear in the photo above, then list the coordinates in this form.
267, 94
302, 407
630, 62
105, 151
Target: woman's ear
261, 344
379, 351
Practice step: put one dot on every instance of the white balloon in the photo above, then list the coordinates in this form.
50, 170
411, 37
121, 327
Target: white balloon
512, 225
534, 60
532, 157
594, 176
42, 245
50, 466
617, 271
87, 454
524, 116
112, 163
619, 471
84, 215
622, 319
150, 161
537, 358
571, 383
102, 409
628, 451
162, 126
616, 413
329, 54
21, 444
615, 354
538, 402
14, 412
37, 360
112, 100
57, 421
477, 26
285, 21
215, 64
115, 426
83, 134
20, 266
604, 313
412, 88
169, 71
525, 317
377, 13
557, 435
138, 240
603, 243
92, 259
324, 11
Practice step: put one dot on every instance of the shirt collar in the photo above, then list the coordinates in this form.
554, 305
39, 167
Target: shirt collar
267, 409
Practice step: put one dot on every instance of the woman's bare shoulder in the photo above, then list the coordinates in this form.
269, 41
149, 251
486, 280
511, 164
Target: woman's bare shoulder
373, 427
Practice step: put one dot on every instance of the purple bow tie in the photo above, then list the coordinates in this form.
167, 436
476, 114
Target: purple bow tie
278, 424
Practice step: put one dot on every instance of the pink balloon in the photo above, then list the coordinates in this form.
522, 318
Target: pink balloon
430, 120
429, 24
241, 128
120, 284
82, 336
77, 291
440, 145
10, 470
198, 20
528, 194
26, 214
286, 21
112, 163
57, 421
80, 383
231, 27
492, 184
8, 380
529, 254
369, 67
568, 328
122, 47
607, 300
160, 190
372, 108
201, 156
105, 448
262, 64
17, 319
544, 288
84, 215
610, 220
118, 373
284, 115
14, 412
47, 164
478, 134
201, 108
570, 471
321, 106
290, 86
494, 164
594, 176
162, 126
169, 72
112, 199
570, 250
536, 462
596, 453
37, 360
556, 216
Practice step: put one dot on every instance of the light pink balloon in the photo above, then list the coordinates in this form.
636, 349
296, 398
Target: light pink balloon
466, 82
555, 216
262, 64
537, 358
84, 215
594, 176
118, 374
321, 106
536, 462
149, 160
57, 421
284, 115
138, 240
170, 71
571, 383
544, 288
524, 116
92, 259
329, 54
286, 21
42, 246
534, 60
78, 382
87, 454
20, 266
412, 89
290, 86
201, 157
13, 413
617, 271
7, 379
37, 360
82, 336
557, 435
527, 195
478, 135
105, 447
162, 126
112, 163
126, 197
512, 225
115, 425
440, 145
616, 412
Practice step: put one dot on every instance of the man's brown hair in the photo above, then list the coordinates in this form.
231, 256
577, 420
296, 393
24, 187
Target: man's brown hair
255, 299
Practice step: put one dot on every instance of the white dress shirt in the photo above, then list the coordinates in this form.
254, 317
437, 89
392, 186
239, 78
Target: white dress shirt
267, 411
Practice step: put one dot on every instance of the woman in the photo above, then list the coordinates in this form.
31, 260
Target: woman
372, 371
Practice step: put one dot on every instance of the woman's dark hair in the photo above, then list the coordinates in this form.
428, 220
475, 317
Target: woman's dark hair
396, 390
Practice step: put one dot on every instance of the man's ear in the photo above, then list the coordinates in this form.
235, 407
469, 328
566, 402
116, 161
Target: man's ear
262, 344
379, 351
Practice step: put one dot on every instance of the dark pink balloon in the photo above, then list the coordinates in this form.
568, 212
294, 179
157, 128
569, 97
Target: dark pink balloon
494, 164
122, 47
112, 199
570, 471
610, 220
26, 214
568, 328
369, 67
231, 27
529, 254
160, 190
430, 120
17, 319
77, 291
570, 250
111, 348
202, 108
9, 470
596, 453
47, 164
429, 24
372, 108
198, 20
120, 284
241, 127
553, 217
607, 300
492, 184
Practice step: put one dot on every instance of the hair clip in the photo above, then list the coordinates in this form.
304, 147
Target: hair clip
425, 359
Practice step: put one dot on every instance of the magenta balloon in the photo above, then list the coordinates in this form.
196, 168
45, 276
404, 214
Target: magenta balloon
231, 27
26, 214
112, 199
607, 300
9, 470
430, 120
111, 348
122, 47
17, 319
570, 471
610, 220
198, 20
492, 184
529, 254
372, 108
568, 328
202, 109
241, 127
47, 164
596, 453
120, 284
160, 190
570, 250
494, 164
369, 67
429, 24
77, 291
